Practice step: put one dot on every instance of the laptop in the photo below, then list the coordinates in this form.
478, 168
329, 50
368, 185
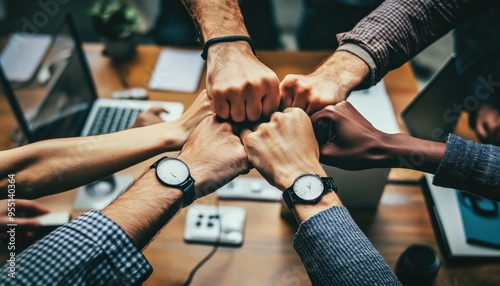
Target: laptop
435, 111
465, 226
60, 100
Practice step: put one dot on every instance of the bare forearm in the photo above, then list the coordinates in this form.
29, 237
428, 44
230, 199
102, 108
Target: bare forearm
54, 166
144, 209
215, 18
413, 153
345, 69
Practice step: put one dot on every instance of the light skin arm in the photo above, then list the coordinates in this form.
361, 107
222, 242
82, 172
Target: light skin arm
54, 166
239, 85
284, 149
330, 83
148, 205
348, 141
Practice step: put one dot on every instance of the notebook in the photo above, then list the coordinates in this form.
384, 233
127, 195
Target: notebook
177, 70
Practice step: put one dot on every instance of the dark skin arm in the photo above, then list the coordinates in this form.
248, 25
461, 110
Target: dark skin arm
348, 141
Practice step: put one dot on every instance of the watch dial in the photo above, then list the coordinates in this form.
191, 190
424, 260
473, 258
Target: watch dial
172, 171
308, 187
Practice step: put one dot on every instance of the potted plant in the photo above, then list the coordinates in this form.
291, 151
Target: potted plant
117, 22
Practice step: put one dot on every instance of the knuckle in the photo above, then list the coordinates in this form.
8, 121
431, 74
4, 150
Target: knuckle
290, 79
225, 127
343, 104
267, 129
251, 139
277, 116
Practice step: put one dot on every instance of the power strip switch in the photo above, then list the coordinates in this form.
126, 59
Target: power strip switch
208, 224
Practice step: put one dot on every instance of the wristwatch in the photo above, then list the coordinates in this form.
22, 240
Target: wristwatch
308, 189
174, 173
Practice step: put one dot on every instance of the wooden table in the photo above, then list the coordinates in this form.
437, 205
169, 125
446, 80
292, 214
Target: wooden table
267, 257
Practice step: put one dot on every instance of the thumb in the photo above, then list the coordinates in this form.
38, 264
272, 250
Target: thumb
288, 89
328, 154
325, 126
244, 133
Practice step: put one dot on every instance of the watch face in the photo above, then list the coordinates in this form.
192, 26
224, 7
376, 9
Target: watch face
308, 187
172, 171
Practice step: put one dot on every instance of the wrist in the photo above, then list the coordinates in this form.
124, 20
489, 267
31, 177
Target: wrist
303, 211
150, 189
233, 49
286, 177
198, 172
397, 147
345, 69
171, 136
413, 153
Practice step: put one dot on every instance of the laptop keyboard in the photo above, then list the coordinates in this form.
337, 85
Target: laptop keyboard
112, 119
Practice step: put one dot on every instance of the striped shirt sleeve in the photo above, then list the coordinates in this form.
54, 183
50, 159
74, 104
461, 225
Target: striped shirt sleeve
399, 29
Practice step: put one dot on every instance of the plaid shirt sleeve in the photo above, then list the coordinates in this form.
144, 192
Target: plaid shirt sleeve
399, 29
90, 250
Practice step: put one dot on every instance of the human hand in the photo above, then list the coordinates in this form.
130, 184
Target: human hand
150, 117
214, 155
25, 212
487, 125
238, 84
347, 140
284, 148
329, 84
199, 110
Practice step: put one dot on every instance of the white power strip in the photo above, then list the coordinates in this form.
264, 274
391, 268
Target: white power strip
249, 189
205, 223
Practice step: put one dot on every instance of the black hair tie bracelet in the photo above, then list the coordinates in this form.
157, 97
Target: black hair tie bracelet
226, 39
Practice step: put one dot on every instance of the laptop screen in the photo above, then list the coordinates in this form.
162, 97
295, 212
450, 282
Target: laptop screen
49, 80
436, 109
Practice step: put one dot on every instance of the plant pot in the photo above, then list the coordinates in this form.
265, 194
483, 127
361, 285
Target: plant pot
119, 50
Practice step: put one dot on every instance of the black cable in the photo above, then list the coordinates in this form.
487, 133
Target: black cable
212, 252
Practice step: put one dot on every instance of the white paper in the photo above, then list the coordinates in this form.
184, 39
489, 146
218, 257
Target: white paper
374, 104
23, 54
177, 70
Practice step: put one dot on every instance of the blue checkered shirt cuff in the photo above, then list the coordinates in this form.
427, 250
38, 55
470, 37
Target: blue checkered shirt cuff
90, 250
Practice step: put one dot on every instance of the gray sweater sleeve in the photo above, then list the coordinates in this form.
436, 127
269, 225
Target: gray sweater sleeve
471, 167
335, 251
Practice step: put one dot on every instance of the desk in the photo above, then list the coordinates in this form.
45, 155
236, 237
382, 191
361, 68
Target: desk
267, 256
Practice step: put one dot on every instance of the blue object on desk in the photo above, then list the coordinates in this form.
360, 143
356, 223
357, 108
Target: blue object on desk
481, 219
